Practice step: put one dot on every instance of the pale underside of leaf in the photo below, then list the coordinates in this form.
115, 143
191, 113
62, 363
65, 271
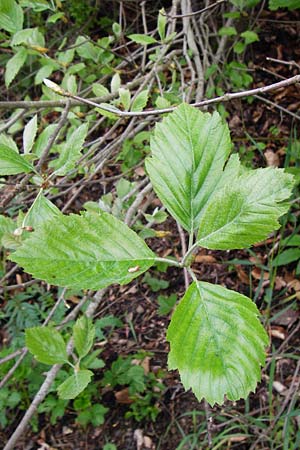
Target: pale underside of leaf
85, 252
217, 343
246, 210
189, 150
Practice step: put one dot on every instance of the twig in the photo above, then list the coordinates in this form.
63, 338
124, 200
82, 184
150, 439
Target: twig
223, 98
53, 136
281, 108
11, 121
196, 13
134, 207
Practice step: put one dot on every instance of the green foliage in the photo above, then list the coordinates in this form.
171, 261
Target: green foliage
12, 163
224, 343
229, 205
290, 4
166, 304
89, 245
184, 165
47, 345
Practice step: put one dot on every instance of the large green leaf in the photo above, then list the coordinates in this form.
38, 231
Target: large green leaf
217, 343
46, 344
11, 16
189, 150
12, 163
40, 211
245, 209
74, 384
86, 252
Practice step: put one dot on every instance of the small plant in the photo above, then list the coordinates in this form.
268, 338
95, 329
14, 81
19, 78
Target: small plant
217, 341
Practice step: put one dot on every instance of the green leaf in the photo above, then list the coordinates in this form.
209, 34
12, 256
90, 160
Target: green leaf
99, 90
29, 134
217, 343
7, 141
245, 210
46, 344
166, 304
239, 47
87, 50
85, 252
11, 16
227, 31
14, 64
41, 210
286, 257
125, 98
115, 83
291, 4
161, 24
45, 72
83, 335
7, 225
250, 36
142, 39
75, 384
43, 139
12, 163
71, 151
189, 150
140, 101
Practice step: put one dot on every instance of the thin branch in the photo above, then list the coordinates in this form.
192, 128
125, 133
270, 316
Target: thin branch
135, 205
53, 136
223, 98
196, 13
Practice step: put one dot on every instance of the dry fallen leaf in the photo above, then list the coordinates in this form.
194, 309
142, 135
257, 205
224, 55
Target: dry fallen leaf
279, 387
278, 332
123, 397
205, 259
272, 158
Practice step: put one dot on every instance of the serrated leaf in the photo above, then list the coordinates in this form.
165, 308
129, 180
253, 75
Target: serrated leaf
41, 210
142, 39
29, 36
71, 151
83, 335
217, 343
189, 149
29, 134
85, 252
46, 344
11, 16
140, 101
14, 65
75, 384
12, 163
245, 210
